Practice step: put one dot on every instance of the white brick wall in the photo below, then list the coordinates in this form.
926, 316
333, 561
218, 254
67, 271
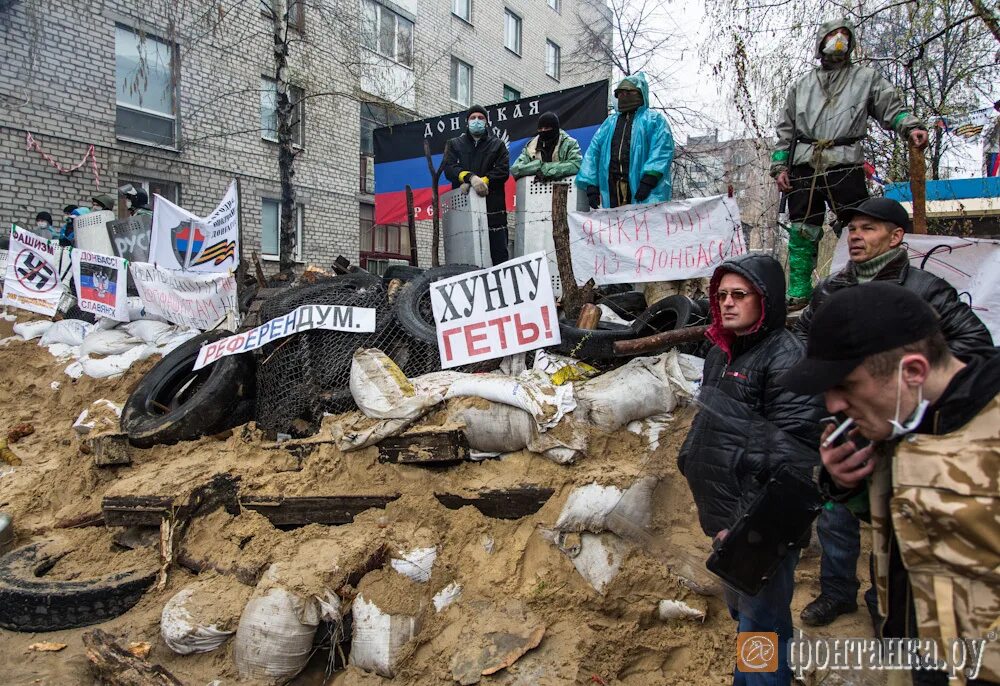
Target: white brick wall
62, 90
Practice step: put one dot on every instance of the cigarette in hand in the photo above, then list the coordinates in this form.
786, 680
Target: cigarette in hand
844, 426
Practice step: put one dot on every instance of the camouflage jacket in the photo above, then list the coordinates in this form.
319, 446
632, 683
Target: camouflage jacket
940, 496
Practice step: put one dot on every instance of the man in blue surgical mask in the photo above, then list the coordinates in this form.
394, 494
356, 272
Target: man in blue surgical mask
478, 161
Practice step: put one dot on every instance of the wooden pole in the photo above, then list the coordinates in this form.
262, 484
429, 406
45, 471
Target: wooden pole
667, 339
918, 189
436, 198
573, 297
411, 223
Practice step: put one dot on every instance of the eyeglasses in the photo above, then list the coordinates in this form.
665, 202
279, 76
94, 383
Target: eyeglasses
737, 294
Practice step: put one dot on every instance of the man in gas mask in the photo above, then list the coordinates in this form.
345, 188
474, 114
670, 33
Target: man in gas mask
478, 160
819, 160
628, 162
551, 155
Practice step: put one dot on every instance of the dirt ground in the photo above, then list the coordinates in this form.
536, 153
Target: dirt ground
510, 572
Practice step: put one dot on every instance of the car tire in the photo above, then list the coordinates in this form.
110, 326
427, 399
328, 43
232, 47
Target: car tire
413, 303
668, 314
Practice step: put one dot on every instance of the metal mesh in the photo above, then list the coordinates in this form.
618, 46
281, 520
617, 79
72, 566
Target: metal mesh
303, 376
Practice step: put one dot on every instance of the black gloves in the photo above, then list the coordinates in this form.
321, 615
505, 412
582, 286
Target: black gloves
646, 185
593, 197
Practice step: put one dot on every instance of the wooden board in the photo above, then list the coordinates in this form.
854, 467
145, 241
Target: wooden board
510, 503
302, 510
150, 510
432, 448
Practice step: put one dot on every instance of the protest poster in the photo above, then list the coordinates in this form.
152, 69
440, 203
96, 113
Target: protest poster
181, 240
100, 284
32, 280
303, 318
195, 300
130, 238
971, 265
681, 239
3, 266
495, 312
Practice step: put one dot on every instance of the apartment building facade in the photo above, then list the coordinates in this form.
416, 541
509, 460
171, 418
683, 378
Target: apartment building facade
179, 97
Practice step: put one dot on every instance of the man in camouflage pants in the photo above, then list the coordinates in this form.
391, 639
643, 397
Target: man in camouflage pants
877, 354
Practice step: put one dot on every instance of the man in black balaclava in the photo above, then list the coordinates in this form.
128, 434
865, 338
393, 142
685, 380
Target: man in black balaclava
552, 154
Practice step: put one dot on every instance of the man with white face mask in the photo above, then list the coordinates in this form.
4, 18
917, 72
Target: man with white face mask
878, 355
818, 160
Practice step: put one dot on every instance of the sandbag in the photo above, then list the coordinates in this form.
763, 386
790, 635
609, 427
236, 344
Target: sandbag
113, 365
378, 637
382, 391
194, 621
679, 609
151, 331
102, 416
30, 330
600, 559
416, 564
136, 310
531, 391
447, 595
590, 508
113, 342
67, 332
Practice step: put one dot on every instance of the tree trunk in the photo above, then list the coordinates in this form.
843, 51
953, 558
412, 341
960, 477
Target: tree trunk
411, 225
573, 296
918, 188
286, 127
436, 199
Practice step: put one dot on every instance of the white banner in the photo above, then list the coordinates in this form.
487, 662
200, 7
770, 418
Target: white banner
32, 280
495, 312
3, 265
303, 318
195, 300
100, 284
181, 240
971, 265
665, 241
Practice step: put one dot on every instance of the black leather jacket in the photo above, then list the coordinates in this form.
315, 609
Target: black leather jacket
961, 327
487, 158
748, 424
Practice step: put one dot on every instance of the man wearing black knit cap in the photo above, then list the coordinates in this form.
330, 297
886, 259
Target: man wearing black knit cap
478, 160
875, 233
878, 355
551, 155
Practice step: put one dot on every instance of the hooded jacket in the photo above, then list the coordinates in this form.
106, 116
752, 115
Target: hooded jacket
749, 424
651, 151
488, 159
835, 103
566, 160
961, 327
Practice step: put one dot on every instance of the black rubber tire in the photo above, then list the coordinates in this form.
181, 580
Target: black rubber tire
669, 314
29, 602
403, 272
412, 306
626, 305
284, 302
701, 312
592, 345
200, 403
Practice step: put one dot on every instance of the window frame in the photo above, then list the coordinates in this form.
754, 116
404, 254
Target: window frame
456, 65
468, 7
365, 242
298, 104
512, 18
300, 210
376, 35
173, 80
296, 13
555, 5
549, 43
513, 90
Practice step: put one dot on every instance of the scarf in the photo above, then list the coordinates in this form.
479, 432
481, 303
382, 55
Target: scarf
867, 271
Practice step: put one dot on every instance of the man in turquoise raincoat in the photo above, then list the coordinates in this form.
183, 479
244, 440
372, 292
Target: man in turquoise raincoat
628, 161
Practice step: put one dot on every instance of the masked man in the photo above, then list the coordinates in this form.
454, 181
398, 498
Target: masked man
818, 159
478, 160
551, 155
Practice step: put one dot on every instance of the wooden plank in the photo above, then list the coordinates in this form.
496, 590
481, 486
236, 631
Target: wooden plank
110, 450
302, 510
510, 503
150, 510
430, 448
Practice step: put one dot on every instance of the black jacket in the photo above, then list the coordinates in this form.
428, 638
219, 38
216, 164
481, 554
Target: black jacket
748, 424
490, 159
961, 327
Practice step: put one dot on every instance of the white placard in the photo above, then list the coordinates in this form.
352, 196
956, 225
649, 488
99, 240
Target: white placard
666, 241
495, 312
32, 280
181, 240
303, 318
195, 300
971, 265
101, 284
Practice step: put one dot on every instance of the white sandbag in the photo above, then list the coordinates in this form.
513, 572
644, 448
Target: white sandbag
106, 324
600, 559
495, 428
382, 391
610, 316
63, 352
136, 310
597, 508
114, 365
651, 429
378, 637
30, 330
113, 342
678, 609
645, 387
69, 332
531, 391
174, 340
74, 370
151, 332
447, 595
102, 415
185, 633
416, 564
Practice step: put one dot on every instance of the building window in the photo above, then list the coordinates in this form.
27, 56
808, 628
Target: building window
462, 9
552, 58
166, 189
510, 93
381, 244
269, 112
556, 5
374, 116
461, 82
296, 12
512, 32
144, 88
387, 33
270, 221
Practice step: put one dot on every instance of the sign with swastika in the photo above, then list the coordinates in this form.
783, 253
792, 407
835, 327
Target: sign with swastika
32, 281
